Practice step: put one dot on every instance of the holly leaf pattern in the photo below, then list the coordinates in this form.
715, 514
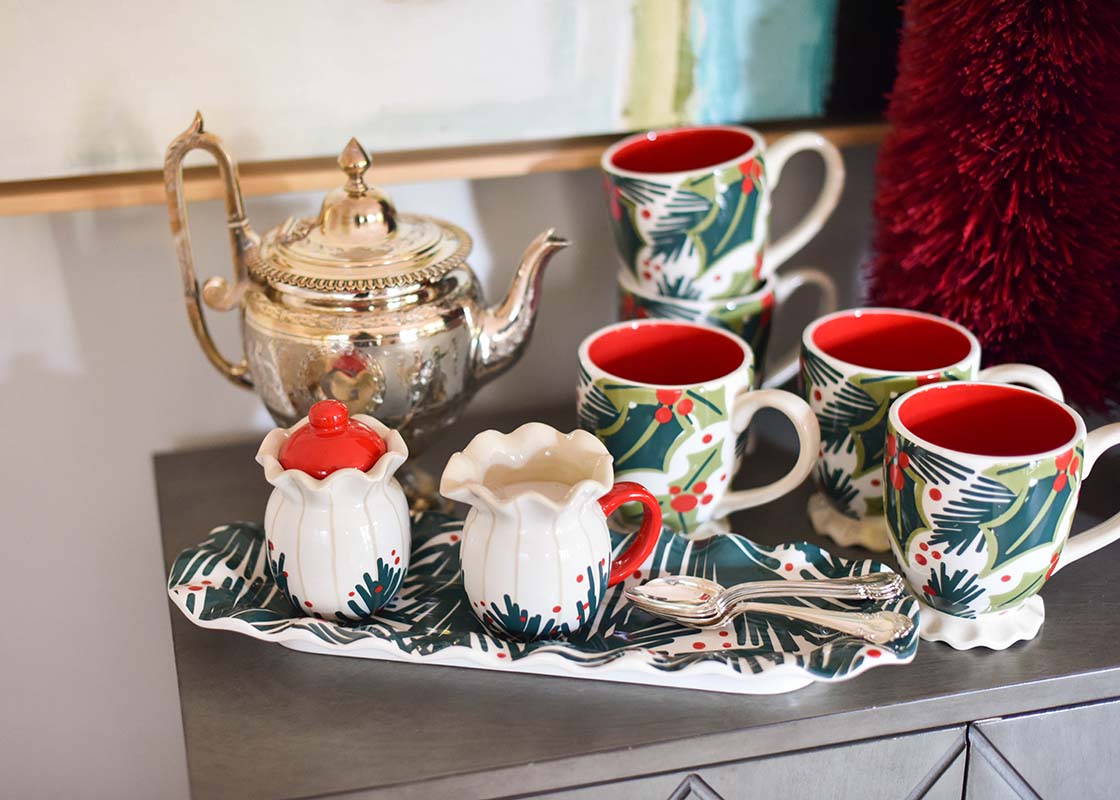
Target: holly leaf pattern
644, 435
692, 487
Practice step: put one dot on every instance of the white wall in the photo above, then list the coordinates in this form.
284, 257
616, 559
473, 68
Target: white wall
98, 369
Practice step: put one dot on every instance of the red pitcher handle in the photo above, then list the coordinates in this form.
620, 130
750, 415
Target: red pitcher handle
642, 546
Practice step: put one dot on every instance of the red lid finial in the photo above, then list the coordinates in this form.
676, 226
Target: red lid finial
331, 441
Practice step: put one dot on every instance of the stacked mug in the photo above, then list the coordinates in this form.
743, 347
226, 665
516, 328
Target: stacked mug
690, 212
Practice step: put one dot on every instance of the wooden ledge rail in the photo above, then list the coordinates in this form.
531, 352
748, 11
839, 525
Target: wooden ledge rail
118, 190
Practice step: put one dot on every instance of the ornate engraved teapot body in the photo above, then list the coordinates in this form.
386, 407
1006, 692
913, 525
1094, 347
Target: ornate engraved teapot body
362, 304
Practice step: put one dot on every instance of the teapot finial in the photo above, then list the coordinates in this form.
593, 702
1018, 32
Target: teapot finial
354, 161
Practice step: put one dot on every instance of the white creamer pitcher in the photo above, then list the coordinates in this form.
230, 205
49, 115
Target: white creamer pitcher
536, 550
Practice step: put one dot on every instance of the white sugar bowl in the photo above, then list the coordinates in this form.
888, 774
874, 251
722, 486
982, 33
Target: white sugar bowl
337, 523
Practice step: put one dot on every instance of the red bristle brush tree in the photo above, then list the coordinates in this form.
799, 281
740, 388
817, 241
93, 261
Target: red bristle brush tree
998, 196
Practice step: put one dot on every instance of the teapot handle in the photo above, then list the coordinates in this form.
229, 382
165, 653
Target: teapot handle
216, 292
639, 549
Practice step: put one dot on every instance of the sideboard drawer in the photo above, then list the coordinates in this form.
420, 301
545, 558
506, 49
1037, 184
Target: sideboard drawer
1069, 752
887, 768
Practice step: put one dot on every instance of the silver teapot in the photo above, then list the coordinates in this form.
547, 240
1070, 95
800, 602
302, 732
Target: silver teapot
375, 308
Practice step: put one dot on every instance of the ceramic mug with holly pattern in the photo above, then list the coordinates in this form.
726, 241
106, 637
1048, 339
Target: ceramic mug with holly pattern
669, 399
854, 364
982, 484
750, 317
690, 208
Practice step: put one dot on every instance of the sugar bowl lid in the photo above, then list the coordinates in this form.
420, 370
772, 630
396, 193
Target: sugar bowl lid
331, 441
359, 242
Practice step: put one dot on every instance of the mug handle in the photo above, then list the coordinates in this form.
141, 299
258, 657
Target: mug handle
784, 288
1026, 374
632, 557
808, 439
800, 234
1108, 531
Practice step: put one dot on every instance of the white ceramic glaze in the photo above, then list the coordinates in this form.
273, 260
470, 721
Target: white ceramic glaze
536, 550
339, 547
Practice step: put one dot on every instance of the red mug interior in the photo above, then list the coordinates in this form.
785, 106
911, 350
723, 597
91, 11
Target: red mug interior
666, 354
987, 420
892, 342
682, 150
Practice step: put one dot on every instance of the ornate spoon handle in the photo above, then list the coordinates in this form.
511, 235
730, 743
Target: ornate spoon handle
876, 586
878, 627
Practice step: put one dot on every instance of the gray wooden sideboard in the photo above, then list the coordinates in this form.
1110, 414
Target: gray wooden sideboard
1039, 720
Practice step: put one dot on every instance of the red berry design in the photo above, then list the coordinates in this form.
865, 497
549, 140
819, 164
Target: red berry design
892, 446
699, 487
579, 579
936, 555
454, 537
524, 617
285, 573
556, 609
724, 633
707, 438
668, 396
920, 559
351, 594
698, 645
706, 499
646, 214
1063, 461
896, 477
636, 574
647, 275
923, 545
685, 406
392, 552
207, 583
674, 490
663, 414
195, 588
929, 590
1005, 578
903, 460
501, 655
684, 503
307, 603
1060, 482
934, 494
789, 567
377, 589
727, 644
817, 395
876, 482
873, 653
270, 547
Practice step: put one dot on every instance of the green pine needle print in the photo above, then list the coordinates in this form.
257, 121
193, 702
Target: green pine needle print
680, 287
816, 371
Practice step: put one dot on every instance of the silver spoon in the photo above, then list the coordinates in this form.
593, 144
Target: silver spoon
877, 627
689, 596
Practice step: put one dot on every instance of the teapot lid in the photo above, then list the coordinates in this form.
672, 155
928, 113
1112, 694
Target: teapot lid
331, 441
359, 242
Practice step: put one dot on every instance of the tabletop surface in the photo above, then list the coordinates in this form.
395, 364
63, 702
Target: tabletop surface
261, 720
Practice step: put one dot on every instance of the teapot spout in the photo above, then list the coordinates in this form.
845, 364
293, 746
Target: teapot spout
504, 331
